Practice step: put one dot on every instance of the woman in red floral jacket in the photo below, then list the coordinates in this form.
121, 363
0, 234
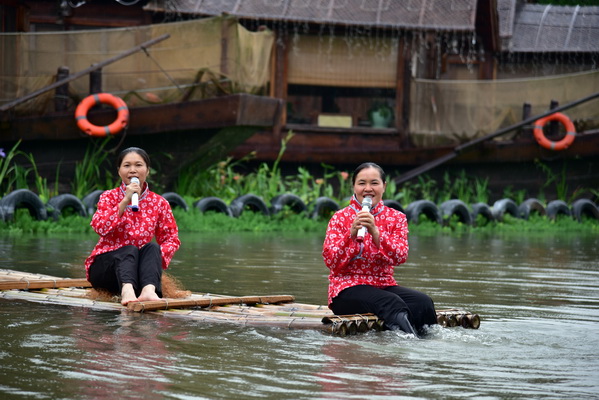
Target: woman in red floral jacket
361, 278
125, 261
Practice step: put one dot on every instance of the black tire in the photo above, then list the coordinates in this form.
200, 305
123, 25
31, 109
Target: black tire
294, 202
25, 198
248, 202
528, 206
91, 201
175, 200
65, 201
557, 207
213, 204
504, 206
457, 207
323, 207
584, 207
394, 204
482, 209
426, 207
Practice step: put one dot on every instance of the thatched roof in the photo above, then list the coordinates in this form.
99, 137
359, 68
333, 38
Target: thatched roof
535, 28
523, 27
454, 15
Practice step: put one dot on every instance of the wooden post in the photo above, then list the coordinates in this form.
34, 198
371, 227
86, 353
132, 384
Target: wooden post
61, 94
402, 91
526, 130
224, 45
95, 81
279, 83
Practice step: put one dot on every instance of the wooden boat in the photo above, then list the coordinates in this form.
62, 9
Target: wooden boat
275, 310
196, 131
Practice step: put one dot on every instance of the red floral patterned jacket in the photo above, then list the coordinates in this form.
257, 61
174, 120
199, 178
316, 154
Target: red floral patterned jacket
154, 219
362, 263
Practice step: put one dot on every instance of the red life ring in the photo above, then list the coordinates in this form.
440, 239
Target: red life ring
551, 145
119, 123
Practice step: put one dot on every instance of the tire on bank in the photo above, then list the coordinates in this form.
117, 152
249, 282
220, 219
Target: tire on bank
458, 208
556, 208
248, 202
529, 206
323, 208
289, 200
394, 204
213, 204
504, 206
419, 207
175, 200
91, 201
58, 204
584, 208
483, 210
23, 198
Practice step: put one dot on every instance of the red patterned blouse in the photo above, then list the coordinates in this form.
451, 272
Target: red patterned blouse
362, 263
154, 219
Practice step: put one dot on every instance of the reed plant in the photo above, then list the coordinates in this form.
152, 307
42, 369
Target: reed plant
92, 172
7, 170
44, 191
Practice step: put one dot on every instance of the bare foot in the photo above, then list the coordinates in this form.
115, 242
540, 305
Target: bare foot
127, 294
148, 293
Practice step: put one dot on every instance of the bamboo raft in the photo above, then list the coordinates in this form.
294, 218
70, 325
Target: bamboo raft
274, 310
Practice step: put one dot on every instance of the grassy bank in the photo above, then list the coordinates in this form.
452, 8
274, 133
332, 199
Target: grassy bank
195, 221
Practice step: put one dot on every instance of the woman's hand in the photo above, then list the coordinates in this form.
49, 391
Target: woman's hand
365, 219
130, 189
133, 187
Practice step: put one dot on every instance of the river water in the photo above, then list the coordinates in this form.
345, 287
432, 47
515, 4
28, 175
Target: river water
538, 298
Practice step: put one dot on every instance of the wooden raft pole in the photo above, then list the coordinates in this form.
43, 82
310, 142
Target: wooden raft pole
165, 304
43, 284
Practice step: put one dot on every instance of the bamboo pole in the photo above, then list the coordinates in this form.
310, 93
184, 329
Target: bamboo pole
141, 306
27, 284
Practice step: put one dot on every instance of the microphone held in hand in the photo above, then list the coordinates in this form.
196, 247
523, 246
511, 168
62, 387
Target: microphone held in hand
366, 204
135, 197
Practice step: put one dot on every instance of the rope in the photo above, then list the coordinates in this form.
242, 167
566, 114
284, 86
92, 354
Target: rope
162, 69
25, 280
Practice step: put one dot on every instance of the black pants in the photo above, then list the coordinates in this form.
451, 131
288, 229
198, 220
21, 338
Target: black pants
386, 303
140, 267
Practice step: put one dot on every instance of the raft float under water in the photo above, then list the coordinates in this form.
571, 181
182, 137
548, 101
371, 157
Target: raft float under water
275, 310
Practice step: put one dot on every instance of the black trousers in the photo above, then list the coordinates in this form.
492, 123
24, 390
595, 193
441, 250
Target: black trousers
140, 267
386, 303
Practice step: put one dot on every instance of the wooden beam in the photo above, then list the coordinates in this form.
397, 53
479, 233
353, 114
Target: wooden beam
43, 284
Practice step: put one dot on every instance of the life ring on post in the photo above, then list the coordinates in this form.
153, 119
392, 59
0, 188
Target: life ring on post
561, 144
115, 127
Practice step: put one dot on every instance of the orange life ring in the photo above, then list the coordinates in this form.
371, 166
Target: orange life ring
86, 104
551, 145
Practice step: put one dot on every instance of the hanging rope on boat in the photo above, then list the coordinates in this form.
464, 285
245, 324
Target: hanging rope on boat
170, 78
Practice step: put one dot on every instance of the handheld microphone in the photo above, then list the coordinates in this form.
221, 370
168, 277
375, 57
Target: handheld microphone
135, 197
366, 204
